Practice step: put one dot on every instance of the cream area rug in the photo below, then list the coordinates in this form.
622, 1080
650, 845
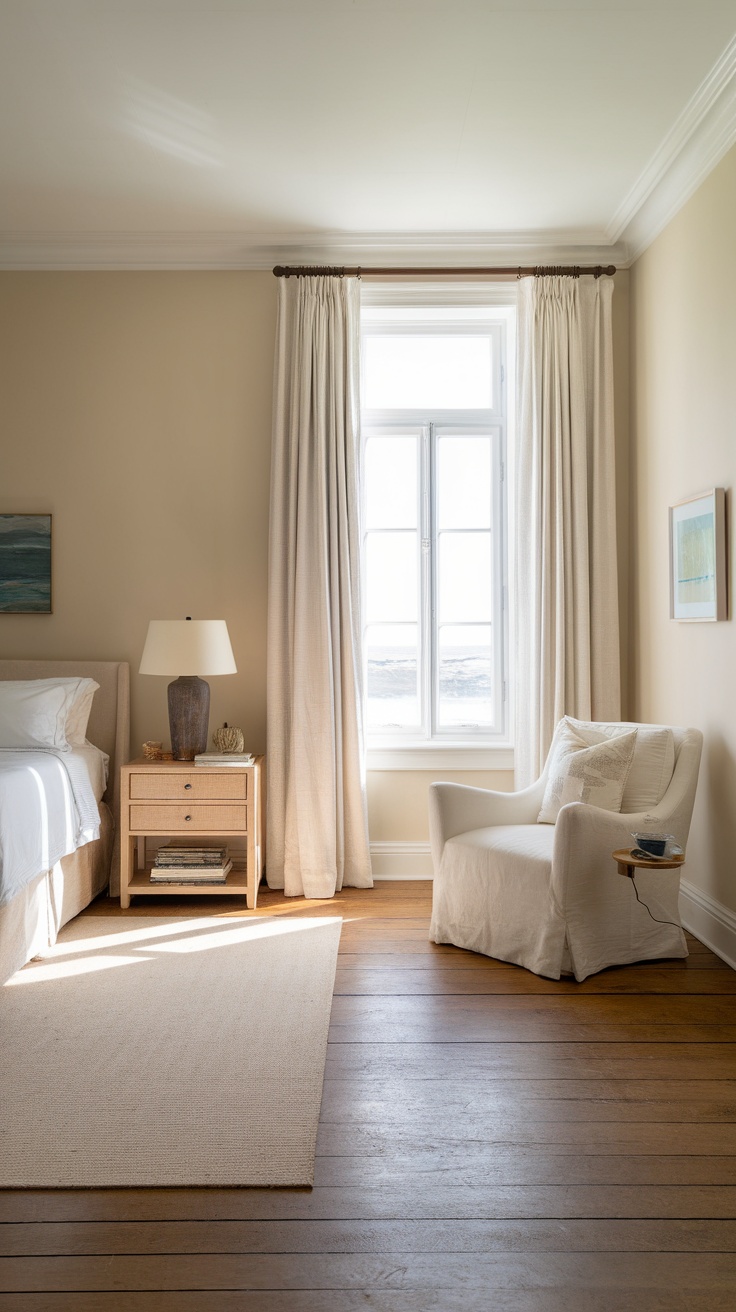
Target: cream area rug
167, 1052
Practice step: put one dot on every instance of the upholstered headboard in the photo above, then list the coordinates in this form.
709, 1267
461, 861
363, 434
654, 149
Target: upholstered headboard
109, 722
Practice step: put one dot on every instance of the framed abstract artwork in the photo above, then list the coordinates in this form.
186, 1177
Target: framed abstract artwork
25, 564
698, 557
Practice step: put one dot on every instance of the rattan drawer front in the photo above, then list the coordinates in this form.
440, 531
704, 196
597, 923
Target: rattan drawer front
227, 785
183, 817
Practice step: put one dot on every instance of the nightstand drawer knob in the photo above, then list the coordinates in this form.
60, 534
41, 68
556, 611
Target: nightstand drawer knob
187, 787
187, 817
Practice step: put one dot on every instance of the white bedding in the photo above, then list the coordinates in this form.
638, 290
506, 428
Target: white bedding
48, 809
97, 763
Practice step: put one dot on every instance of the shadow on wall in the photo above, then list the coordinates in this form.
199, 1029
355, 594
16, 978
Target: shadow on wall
718, 782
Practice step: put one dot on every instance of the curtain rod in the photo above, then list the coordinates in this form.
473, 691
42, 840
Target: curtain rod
536, 271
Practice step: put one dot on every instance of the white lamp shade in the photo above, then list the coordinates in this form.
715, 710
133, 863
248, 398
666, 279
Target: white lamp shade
176, 647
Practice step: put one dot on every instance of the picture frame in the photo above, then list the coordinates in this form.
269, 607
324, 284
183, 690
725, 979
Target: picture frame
25, 564
698, 557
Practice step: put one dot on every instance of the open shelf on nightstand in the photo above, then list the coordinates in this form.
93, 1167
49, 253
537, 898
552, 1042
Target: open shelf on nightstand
235, 882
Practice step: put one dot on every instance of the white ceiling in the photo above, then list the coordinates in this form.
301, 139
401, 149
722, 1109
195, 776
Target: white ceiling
236, 132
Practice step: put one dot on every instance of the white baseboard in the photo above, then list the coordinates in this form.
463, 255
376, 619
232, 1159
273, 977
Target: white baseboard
401, 861
402, 879
709, 921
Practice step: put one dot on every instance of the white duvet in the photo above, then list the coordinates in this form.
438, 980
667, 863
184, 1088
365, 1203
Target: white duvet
48, 809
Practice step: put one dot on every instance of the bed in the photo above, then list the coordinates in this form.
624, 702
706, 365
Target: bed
33, 916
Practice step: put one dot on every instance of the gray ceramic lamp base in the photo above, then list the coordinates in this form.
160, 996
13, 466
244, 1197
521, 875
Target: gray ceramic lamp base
189, 716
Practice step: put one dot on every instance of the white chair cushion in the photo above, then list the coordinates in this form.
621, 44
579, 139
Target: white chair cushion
653, 765
523, 846
582, 772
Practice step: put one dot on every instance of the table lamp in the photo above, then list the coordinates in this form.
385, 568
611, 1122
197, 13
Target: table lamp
188, 648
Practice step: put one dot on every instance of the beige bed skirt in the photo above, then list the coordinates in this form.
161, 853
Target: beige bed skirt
33, 919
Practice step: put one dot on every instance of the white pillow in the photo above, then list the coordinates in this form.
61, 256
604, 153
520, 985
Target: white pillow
79, 712
581, 772
652, 767
45, 713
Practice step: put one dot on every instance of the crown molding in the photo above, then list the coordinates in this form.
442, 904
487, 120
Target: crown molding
233, 250
460, 248
697, 141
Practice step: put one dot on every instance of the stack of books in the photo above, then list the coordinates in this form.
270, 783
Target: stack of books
225, 758
191, 865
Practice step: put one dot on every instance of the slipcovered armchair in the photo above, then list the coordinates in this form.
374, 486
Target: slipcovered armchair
548, 896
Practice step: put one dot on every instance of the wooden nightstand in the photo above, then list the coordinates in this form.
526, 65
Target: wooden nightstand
167, 799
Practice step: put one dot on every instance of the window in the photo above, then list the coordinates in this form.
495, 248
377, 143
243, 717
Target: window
434, 427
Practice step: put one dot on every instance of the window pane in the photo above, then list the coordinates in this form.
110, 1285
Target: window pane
464, 482
465, 690
464, 577
391, 576
429, 370
391, 482
392, 679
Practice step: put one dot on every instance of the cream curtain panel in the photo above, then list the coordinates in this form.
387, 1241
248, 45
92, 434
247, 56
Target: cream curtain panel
317, 825
566, 577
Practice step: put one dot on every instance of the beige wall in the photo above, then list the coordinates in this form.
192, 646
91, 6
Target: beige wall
683, 442
137, 409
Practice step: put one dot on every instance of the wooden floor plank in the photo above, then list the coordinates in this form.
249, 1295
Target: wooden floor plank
477, 1177
565, 1005
445, 979
473, 1143
543, 1060
387, 1095
525, 1299
488, 1138
666, 1272
486, 1116
431, 1236
646, 979
374, 1195
530, 1029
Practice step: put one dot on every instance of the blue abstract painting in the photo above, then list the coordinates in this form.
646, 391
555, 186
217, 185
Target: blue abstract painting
25, 564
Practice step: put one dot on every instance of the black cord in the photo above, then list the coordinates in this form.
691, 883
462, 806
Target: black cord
646, 908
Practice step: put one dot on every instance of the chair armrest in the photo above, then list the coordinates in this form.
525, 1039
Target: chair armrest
580, 822
456, 809
585, 837
581, 825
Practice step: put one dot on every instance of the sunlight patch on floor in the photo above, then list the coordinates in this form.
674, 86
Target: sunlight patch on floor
39, 973
199, 935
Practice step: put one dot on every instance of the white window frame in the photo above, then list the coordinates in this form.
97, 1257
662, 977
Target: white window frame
489, 311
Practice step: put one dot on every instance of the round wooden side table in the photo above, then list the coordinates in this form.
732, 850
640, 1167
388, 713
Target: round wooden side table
628, 863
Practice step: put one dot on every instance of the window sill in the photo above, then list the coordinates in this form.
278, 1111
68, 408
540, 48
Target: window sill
440, 756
